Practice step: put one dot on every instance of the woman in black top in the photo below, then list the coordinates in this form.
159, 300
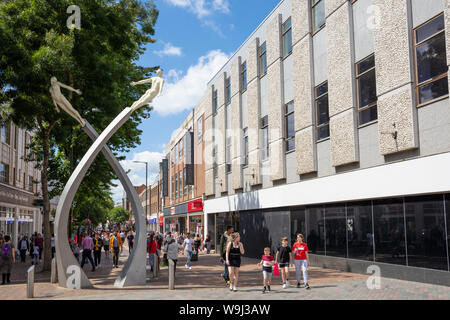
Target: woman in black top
197, 242
233, 259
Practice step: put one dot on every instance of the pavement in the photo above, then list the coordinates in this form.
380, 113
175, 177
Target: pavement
204, 282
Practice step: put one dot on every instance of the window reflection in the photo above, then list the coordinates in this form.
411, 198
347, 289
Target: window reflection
335, 231
315, 223
359, 231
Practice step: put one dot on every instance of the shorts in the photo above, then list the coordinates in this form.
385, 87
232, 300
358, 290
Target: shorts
267, 275
283, 265
106, 248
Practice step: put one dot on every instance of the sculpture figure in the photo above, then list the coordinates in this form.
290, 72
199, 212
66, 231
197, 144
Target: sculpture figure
60, 100
153, 92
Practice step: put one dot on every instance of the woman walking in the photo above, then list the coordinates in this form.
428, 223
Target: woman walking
171, 248
208, 244
188, 246
7, 259
152, 247
301, 260
233, 259
106, 245
24, 246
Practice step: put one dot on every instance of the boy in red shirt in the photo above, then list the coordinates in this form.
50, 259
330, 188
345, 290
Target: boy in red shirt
301, 260
267, 262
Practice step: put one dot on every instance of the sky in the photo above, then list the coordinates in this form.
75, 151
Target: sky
194, 39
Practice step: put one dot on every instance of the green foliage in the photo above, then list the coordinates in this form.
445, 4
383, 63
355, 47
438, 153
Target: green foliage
118, 216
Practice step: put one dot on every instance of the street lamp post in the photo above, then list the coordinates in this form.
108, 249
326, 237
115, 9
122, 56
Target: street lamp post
146, 187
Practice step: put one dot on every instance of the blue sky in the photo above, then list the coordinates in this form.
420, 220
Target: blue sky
194, 40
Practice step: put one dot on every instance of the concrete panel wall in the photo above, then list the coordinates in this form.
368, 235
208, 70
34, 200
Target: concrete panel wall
306, 152
236, 141
393, 70
273, 43
209, 183
291, 168
434, 124
332, 5
253, 130
207, 101
252, 60
288, 79
300, 19
369, 148
340, 89
235, 73
221, 148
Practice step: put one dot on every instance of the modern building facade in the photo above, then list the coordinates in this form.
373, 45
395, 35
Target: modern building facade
19, 184
184, 172
333, 120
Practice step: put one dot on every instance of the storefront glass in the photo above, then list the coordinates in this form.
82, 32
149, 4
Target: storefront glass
359, 230
315, 222
335, 231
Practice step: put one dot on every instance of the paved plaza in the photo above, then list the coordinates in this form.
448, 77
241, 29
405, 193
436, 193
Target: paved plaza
204, 282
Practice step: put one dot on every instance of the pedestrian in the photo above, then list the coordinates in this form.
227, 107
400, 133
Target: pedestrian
40, 243
225, 239
197, 242
35, 260
130, 239
24, 246
284, 256
152, 247
234, 250
115, 244
122, 237
87, 245
208, 244
267, 263
53, 245
106, 245
7, 259
171, 248
98, 244
188, 246
301, 260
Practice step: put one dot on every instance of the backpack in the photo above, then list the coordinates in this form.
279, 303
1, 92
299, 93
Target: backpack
6, 249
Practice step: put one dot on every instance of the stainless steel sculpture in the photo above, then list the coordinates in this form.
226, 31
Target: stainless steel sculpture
134, 271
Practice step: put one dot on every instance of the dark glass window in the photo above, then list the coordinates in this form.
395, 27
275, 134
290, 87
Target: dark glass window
367, 90
359, 231
228, 90
5, 132
262, 60
245, 147
447, 214
228, 154
318, 14
431, 60
323, 118
335, 231
214, 101
290, 126
265, 137
315, 223
298, 225
389, 225
425, 232
244, 76
287, 37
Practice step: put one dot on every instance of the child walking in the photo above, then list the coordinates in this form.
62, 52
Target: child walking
267, 263
301, 260
284, 256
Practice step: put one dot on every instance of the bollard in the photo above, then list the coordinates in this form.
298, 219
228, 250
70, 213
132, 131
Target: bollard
171, 275
155, 265
30, 282
53, 277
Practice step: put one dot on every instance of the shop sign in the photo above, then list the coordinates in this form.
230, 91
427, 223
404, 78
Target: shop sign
172, 211
13, 196
195, 206
161, 221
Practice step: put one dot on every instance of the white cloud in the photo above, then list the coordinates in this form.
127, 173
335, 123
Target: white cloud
137, 173
169, 50
211, 24
185, 92
202, 8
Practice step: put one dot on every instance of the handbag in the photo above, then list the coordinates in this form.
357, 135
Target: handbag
165, 261
276, 270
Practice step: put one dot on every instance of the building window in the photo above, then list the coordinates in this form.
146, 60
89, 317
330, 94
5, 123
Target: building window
228, 90
245, 147
214, 102
323, 118
172, 162
228, 155
4, 172
262, 60
431, 61
290, 126
244, 76
30, 183
5, 132
265, 137
16, 138
199, 130
180, 185
173, 188
287, 38
318, 14
176, 186
180, 151
367, 90
184, 182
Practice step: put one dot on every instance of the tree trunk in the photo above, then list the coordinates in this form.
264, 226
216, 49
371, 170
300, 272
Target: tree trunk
44, 181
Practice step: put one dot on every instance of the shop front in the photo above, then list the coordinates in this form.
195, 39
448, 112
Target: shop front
196, 217
175, 219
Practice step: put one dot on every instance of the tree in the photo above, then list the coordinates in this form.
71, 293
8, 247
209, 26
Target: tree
118, 216
98, 59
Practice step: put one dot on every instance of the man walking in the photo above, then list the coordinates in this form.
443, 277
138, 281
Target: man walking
224, 240
98, 243
115, 243
87, 244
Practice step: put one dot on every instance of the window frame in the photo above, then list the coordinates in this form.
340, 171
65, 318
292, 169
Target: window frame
313, 5
243, 72
370, 105
229, 145
316, 100
261, 54
246, 151
416, 66
286, 115
265, 146
228, 90
215, 103
283, 34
